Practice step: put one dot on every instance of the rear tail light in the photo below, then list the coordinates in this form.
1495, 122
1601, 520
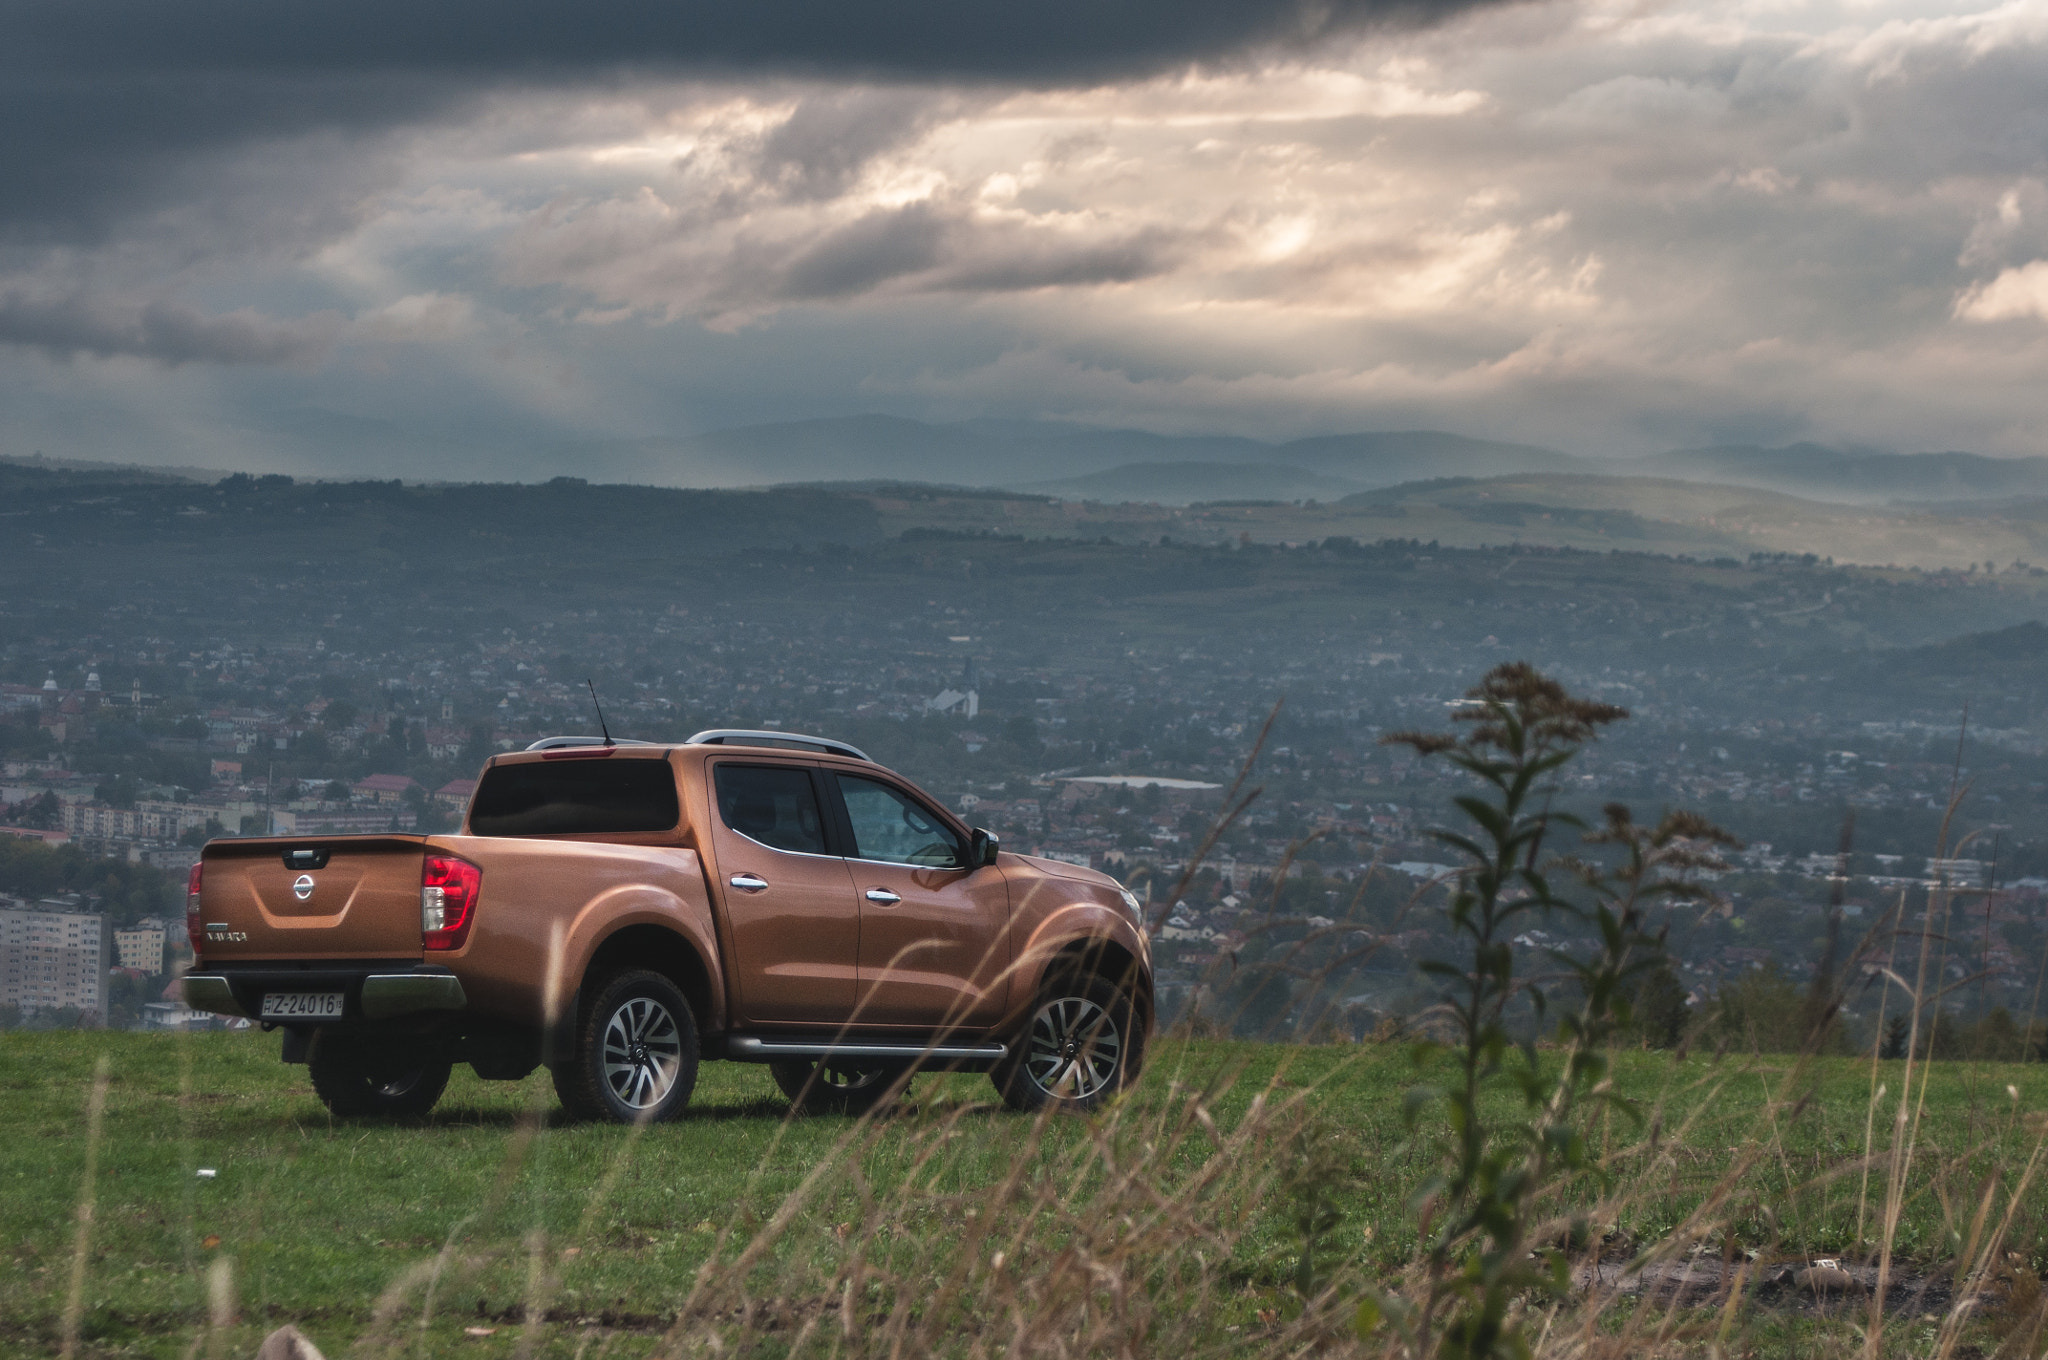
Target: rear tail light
193, 930
448, 892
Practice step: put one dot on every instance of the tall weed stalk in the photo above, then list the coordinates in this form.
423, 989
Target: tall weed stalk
1480, 1209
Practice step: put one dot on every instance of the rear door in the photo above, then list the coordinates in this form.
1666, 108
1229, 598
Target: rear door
789, 901
322, 897
934, 937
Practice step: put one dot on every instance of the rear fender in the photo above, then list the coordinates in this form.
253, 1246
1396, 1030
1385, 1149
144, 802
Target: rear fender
626, 908
547, 908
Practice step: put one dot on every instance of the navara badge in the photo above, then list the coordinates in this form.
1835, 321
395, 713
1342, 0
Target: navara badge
303, 888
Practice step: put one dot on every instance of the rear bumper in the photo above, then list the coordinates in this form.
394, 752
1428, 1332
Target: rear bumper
368, 993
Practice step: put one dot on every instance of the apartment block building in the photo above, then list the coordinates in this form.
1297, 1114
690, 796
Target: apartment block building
54, 958
146, 821
141, 946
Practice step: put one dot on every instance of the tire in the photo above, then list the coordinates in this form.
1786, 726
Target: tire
355, 1079
837, 1087
634, 1054
1080, 1047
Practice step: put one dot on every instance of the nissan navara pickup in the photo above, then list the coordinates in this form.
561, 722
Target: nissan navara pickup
620, 911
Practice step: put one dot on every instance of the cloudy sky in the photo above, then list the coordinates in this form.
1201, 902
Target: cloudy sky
244, 233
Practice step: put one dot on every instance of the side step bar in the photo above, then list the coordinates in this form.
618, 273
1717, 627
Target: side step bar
748, 1048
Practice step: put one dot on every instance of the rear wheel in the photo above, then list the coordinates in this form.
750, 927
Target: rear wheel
354, 1078
1080, 1047
635, 1052
837, 1087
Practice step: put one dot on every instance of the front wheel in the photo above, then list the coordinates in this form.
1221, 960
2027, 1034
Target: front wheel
635, 1053
354, 1079
837, 1087
1081, 1047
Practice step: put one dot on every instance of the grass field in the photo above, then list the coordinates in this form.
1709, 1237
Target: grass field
498, 1228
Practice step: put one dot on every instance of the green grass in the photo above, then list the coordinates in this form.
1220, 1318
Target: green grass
610, 1228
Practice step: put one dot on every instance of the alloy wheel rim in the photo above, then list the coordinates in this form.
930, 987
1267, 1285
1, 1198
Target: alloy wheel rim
643, 1051
849, 1078
1073, 1050
400, 1085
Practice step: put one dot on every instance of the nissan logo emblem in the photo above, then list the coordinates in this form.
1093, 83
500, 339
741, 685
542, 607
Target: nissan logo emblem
303, 888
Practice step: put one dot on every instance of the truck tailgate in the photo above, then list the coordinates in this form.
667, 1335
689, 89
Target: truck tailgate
318, 897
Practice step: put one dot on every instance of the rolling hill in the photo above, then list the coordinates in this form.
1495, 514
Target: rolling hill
1856, 478
1187, 483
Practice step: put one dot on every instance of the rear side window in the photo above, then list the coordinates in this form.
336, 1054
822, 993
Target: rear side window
772, 804
575, 798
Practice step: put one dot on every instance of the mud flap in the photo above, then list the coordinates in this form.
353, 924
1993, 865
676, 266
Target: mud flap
501, 1056
558, 1041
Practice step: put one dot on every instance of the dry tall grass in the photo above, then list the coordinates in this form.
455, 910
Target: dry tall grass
1138, 1237
1152, 1231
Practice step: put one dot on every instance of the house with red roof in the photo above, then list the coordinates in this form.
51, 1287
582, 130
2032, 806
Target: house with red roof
455, 793
385, 788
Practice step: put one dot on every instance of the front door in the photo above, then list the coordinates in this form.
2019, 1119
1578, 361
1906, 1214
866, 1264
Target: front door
934, 936
794, 917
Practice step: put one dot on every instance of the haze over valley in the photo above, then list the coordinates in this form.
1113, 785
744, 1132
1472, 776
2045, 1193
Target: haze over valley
241, 651
1037, 398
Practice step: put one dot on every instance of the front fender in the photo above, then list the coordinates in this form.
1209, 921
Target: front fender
1057, 917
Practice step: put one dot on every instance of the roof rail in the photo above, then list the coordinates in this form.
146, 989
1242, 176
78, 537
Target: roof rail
731, 736
557, 743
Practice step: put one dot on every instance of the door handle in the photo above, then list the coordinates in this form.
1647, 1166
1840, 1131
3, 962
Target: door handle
749, 882
883, 895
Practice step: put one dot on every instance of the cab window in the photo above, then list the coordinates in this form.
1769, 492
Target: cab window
891, 825
575, 798
772, 804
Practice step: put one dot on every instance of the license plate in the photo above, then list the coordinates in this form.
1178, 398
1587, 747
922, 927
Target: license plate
302, 1005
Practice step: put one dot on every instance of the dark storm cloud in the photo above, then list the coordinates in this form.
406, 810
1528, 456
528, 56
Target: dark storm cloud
1029, 264
81, 151
104, 104
1048, 40
165, 332
861, 255
1612, 227
831, 137
942, 248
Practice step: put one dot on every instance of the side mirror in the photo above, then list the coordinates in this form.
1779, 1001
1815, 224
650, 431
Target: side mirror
981, 851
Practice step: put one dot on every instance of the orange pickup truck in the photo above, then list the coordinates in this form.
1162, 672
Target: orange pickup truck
620, 910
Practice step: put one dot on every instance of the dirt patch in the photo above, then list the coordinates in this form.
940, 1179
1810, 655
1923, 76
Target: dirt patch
767, 1315
1818, 1287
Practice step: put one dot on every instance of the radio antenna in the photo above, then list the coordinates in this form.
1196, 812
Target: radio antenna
600, 713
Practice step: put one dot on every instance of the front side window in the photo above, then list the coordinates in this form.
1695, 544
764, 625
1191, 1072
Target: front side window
772, 804
892, 826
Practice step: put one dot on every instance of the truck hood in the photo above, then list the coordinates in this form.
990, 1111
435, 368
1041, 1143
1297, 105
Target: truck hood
1076, 873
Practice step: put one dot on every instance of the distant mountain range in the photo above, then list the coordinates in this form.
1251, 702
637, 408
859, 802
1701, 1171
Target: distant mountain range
1056, 459
1346, 464
1185, 483
1856, 478
1131, 465
1078, 462
985, 453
